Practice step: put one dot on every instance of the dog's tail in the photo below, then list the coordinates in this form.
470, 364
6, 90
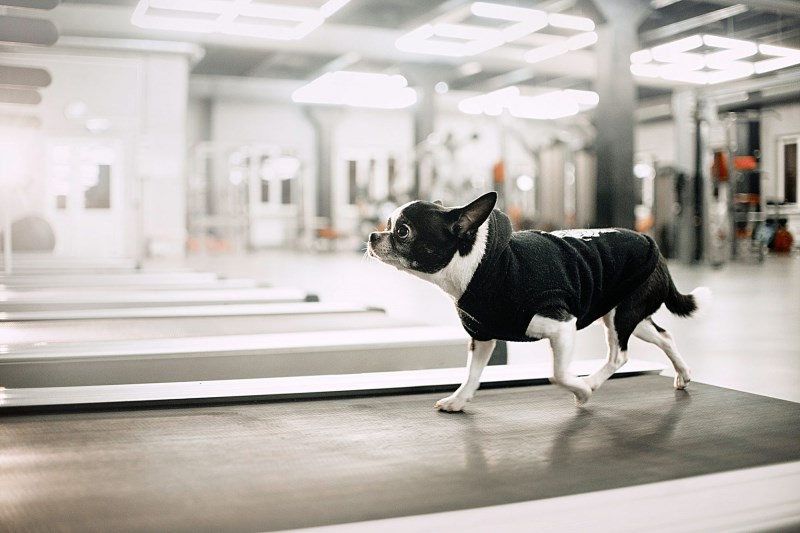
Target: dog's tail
687, 305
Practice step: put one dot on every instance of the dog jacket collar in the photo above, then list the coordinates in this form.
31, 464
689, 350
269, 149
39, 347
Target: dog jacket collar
583, 272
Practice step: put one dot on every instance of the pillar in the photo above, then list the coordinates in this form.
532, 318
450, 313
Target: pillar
617, 39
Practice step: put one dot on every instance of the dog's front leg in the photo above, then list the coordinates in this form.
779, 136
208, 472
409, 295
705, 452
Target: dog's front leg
561, 334
477, 358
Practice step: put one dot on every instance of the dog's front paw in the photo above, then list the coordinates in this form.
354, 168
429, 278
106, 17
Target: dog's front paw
582, 396
451, 404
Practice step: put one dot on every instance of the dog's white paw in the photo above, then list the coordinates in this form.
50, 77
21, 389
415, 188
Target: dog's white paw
581, 397
452, 404
682, 379
579, 387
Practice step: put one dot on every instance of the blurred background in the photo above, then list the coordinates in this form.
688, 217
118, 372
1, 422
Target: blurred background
163, 129
186, 189
267, 140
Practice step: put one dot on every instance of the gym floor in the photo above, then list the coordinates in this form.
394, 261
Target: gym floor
747, 341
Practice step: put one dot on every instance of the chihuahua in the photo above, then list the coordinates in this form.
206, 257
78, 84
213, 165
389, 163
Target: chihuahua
532, 285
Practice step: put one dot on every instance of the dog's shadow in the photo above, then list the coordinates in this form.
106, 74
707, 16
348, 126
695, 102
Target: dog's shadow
585, 437
594, 432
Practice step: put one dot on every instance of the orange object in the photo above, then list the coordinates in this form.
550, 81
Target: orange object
720, 167
747, 198
745, 162
783, 241
499, 172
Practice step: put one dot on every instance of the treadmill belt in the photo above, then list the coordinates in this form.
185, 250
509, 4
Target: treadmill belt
267, 466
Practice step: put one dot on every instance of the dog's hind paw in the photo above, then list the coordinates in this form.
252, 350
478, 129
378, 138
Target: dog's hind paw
451, 404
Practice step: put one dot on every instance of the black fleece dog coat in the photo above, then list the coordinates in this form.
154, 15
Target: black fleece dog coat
583, 272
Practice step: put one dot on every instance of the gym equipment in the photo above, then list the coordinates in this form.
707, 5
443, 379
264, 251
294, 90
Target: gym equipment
57, 332
55, 300
326, 386
268, 309
130, 283
233, 356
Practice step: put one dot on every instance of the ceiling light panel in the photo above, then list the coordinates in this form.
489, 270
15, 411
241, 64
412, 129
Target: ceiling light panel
357, 89
252, 18
545, 105
710, 59
449, 35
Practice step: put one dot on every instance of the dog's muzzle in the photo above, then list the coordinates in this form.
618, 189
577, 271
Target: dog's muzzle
374, 239
377, 246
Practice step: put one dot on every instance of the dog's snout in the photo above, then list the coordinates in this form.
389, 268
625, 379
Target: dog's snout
373, 237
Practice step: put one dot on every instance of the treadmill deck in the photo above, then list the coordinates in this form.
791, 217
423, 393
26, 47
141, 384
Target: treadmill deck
268, 466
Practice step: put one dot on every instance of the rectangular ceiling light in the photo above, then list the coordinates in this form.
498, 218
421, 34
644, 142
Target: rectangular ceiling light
448, 35
548, 105
710, 59
570, 22
357, 89
561, 47
234, 17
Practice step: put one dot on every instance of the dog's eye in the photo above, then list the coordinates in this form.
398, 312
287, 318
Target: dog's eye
403, 231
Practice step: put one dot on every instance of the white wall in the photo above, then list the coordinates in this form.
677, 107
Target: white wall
775, 122
655, 142
162, 149
144, 100
370, 133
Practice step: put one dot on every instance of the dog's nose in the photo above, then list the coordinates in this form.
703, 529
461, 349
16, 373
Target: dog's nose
373, 238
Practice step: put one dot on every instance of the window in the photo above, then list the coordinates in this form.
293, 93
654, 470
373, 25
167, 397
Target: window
788, 167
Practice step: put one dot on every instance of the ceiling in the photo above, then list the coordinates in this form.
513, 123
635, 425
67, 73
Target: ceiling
362, 35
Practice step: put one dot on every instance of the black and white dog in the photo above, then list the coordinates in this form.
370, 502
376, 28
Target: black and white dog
530, 285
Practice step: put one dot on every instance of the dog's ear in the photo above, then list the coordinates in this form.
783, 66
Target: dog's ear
471, 216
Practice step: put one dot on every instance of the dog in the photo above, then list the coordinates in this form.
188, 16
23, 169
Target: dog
532, 285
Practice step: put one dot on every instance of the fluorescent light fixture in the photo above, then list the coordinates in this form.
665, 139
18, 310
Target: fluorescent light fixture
733, 72
455, 40
526, 20
675, 72
586, 98
549, 106
582, 40
491, 101
422, 41
645, 70
545, 106
666, 52
357, 89
546, 52
641, 57
570, 22
234, 17
549, 51
710, 59
463, 40
784, 57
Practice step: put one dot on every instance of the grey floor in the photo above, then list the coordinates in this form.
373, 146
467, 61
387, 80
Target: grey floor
748, 341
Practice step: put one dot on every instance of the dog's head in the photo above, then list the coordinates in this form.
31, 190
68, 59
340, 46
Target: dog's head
424, 237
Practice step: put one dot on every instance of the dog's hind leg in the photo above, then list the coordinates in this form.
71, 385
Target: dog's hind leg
616, 356
477, 359
649, 331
